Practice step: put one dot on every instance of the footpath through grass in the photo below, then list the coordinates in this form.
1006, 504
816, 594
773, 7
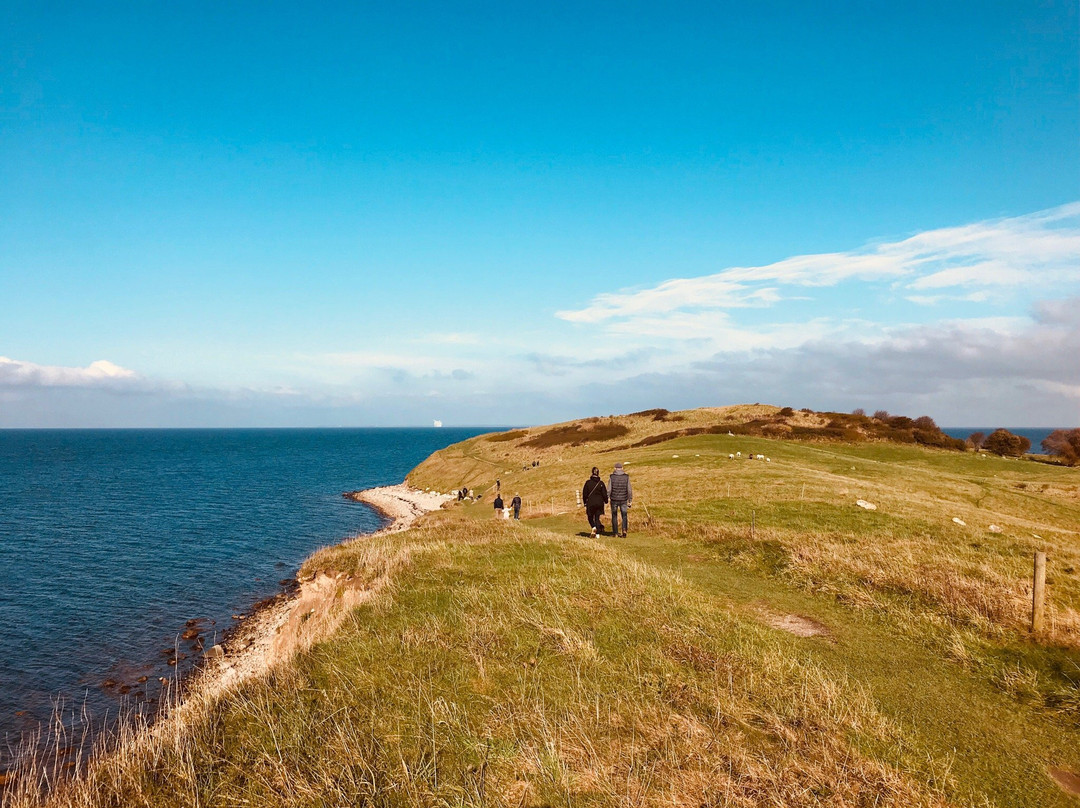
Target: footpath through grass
531, 665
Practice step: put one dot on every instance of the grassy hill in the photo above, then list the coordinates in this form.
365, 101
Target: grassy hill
758, 639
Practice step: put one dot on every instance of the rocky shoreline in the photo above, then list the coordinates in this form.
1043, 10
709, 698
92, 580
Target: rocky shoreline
255, 645
273, 630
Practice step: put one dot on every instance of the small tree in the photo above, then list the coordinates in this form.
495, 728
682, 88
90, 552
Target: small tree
975, 440
859, 411
787, 411
925, 422
1005, 443
881, 415
1065, 443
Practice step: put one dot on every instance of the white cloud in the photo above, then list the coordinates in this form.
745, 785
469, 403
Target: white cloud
977, 262
449, 338
381, 360
102, 373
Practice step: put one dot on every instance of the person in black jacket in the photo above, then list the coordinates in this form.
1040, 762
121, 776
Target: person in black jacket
594, 495
515, 503
498, 505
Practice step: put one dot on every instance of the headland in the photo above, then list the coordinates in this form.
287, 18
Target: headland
760, 636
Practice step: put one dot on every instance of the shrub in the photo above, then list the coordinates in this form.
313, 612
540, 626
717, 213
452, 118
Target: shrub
658, 414
926, 423
1065, 443
975, 440
576, 434
1005, 443
513, 434
898, 435
786, 411
859, 411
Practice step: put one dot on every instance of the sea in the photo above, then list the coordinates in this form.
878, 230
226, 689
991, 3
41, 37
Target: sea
1034, 434
113, 543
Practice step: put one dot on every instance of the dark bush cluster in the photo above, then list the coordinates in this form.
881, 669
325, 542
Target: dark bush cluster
513, 434
938, 439
852, 427
1065, 443
658, 414
575, 434
831, 432
1005, 443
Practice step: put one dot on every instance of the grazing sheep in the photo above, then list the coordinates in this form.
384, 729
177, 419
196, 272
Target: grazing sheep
731, 457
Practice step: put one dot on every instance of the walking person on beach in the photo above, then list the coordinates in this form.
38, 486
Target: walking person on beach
622, 497
595, 496
515, 503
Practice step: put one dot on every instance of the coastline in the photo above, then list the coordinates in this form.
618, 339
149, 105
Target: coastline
399, 503
280, 626
272, 632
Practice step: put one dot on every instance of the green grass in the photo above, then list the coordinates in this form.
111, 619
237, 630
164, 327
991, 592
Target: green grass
528, 664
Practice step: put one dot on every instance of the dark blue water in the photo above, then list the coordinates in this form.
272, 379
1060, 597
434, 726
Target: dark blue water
111, 539
1034, 434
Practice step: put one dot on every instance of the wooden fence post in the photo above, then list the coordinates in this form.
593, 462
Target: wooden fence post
1038, 593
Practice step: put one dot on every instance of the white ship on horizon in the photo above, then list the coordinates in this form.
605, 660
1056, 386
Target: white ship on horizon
438, 423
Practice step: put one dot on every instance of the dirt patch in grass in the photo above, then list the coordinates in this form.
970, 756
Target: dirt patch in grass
796, 624
1069, 781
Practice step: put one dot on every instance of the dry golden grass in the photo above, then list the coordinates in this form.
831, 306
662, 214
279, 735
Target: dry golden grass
470, 661
578, 678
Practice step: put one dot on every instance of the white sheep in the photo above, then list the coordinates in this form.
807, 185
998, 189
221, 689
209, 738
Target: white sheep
731, 457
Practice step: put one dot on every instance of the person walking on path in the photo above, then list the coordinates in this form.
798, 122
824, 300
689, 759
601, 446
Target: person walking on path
515, 503
498, 506
595, 496
622, 497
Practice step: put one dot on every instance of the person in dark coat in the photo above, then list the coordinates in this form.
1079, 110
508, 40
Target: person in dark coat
515, 503
594, 495
498, 505
622, 497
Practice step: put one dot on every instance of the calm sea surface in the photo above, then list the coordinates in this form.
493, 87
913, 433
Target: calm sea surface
111, 539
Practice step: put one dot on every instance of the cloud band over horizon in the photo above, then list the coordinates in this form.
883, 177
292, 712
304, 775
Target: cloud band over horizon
978, 323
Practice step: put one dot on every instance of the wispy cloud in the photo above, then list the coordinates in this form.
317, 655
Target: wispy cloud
970, 262
102, 373
448, 338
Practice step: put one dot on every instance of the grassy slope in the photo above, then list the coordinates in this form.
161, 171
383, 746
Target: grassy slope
532, 665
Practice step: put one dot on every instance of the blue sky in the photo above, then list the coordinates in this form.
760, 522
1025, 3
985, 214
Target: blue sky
275, 214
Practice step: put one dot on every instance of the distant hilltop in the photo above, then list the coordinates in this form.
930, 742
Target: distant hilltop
649, 427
